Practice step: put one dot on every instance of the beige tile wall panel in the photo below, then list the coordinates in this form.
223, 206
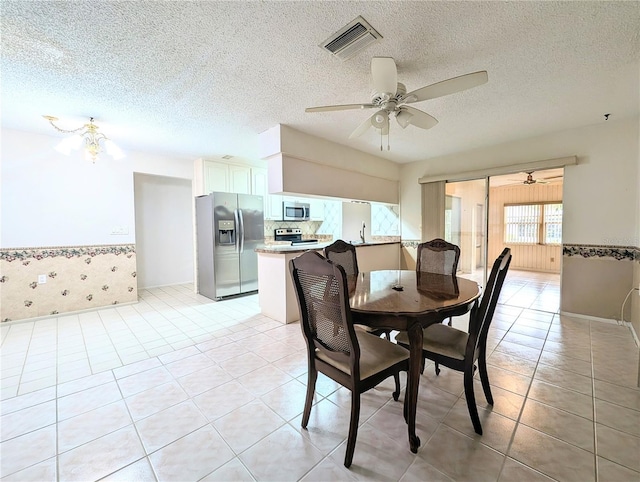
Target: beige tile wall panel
595, 286
78, 278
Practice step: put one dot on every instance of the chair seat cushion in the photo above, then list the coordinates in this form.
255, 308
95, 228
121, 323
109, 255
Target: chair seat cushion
376, 355
441, 339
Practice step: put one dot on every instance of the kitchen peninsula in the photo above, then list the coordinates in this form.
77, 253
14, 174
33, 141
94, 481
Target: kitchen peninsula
275, 288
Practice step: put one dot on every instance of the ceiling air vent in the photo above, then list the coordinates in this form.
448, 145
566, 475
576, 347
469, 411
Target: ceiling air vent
350, 39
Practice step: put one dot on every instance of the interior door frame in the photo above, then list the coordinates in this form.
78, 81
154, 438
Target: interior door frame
433, 194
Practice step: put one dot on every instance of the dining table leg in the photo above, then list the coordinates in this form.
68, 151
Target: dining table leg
413, 380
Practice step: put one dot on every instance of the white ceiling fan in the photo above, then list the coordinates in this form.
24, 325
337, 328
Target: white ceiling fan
390, 97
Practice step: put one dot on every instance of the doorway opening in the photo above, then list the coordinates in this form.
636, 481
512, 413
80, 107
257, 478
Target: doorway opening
522, 211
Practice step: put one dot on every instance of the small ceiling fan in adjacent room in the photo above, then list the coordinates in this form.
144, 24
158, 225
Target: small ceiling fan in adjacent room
390, 98
530, 179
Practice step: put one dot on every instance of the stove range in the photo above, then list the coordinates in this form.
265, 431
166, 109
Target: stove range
294, 235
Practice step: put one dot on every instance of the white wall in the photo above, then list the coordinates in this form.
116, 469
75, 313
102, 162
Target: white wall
164, 230
49, 199
146, 163
600, 192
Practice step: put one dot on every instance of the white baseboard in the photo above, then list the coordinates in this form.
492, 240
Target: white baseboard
606, 320
590, 318
69, 313
633, 332
164, 286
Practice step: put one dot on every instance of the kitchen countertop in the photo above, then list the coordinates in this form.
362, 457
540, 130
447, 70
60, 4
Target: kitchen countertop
301, 248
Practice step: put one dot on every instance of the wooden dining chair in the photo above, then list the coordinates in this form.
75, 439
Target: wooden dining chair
460, 350
353, 358
344, 254
438, 256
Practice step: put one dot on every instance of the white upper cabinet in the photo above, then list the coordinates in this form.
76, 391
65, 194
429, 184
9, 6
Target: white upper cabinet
260, 186
221, 177
259, 181
317, 209
216, 177
242, 179
273, 207
239, 179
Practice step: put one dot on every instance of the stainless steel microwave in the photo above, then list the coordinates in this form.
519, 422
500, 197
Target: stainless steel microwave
293, 211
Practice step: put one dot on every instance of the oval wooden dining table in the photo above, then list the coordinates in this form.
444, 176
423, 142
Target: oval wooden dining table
406, 300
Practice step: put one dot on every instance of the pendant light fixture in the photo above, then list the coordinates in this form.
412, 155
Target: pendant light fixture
90, 136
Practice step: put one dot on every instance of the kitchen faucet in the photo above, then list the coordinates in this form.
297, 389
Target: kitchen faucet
362, 232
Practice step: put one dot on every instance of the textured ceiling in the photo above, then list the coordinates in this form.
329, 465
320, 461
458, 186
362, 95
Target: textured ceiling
204, 78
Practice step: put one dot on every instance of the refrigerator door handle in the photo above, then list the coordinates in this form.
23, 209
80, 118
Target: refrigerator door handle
241, 234
236, 215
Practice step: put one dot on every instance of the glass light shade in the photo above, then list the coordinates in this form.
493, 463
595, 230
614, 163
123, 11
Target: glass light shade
379, 119
73, 143
404, 118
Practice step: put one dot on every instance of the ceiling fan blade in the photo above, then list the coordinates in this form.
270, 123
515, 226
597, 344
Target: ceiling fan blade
446, 87
329, 108
385, 75
409, 115
362, 128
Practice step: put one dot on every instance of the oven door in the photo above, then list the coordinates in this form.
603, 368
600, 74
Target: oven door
295, 211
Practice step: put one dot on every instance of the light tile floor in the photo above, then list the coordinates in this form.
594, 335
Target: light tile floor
179, 388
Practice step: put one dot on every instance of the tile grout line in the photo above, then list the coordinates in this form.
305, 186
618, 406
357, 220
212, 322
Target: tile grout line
526, 399
593, 405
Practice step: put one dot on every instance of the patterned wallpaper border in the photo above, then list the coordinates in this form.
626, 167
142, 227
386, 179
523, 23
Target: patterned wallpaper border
21, 254
630, 253
410, 243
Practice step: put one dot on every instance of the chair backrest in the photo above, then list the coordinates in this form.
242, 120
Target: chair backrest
344, 254
438, 256
481, 317
325, 315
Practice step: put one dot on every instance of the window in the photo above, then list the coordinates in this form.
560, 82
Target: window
539, 223
552, 223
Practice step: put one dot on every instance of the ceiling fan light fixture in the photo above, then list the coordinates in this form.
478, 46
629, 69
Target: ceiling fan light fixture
404, 118
380, 119
391, 97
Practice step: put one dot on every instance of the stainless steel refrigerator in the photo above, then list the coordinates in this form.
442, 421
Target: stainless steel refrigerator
229, 227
